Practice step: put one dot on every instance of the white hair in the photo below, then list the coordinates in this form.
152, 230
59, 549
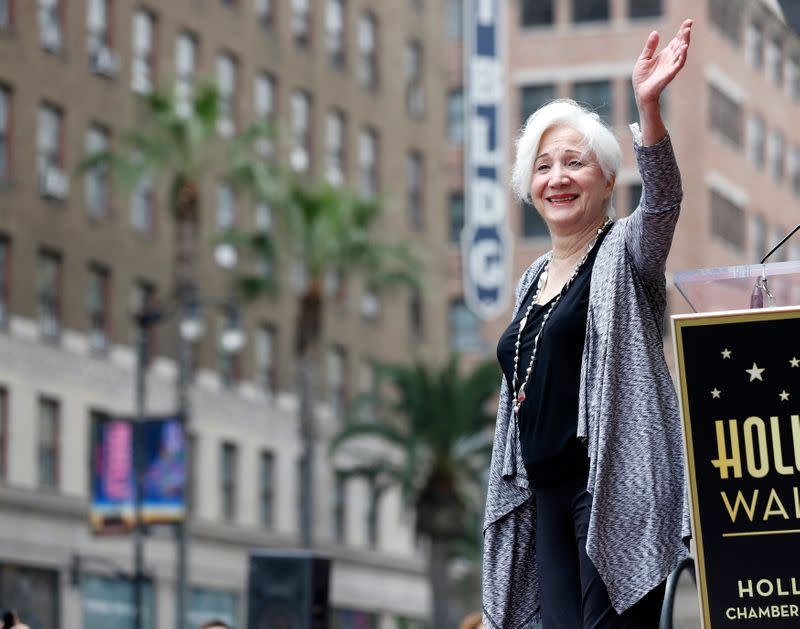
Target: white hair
598, 140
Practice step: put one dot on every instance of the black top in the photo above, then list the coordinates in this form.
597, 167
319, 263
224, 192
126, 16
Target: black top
548, 417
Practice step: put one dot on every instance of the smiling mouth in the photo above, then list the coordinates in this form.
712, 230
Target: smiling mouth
562, 199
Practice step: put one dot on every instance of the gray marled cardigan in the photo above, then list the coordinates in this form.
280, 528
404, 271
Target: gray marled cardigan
627, 417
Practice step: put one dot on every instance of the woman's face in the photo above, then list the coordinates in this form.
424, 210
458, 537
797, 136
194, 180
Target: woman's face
568, 188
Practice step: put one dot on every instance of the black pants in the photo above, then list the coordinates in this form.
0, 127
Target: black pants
573, 596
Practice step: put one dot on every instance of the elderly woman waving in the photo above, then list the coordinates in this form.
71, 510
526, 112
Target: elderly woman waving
586, 513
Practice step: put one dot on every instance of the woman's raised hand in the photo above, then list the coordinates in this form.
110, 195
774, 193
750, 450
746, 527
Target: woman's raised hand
653, 72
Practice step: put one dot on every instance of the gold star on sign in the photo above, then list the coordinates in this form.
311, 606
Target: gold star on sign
715, 393
783, 395
726, 353
755, 372
795, 362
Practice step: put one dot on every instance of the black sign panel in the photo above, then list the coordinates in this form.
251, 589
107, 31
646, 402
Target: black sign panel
740, 401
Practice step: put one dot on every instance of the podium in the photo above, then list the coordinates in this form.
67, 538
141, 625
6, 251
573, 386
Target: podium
739, 389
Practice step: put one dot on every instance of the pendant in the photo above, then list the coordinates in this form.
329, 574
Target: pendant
521, 396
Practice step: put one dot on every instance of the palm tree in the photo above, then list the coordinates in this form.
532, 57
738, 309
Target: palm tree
439, 422
184, 146
328, 232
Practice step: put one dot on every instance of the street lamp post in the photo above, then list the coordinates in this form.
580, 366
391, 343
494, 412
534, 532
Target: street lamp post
145, 320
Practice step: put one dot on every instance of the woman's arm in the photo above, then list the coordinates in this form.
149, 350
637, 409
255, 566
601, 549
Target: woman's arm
652, 73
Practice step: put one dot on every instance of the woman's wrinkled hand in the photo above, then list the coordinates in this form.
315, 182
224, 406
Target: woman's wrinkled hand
653, 72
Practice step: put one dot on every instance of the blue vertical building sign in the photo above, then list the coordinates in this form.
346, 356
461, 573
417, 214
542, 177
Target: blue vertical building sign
485, 241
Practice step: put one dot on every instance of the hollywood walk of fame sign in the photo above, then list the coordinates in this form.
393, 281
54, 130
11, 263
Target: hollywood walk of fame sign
739, 377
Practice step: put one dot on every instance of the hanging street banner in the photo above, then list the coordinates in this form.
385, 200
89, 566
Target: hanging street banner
739, 377
163, 451
112, 510
485, 240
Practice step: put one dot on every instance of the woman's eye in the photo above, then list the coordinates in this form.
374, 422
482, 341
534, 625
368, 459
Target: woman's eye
575, 163
542, 167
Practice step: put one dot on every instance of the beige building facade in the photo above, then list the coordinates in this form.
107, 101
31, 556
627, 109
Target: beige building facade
354, 86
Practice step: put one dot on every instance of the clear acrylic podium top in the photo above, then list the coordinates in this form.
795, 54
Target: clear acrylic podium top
730, 287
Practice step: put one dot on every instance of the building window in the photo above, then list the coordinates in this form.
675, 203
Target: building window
464, 326
226, 207
725, 116
228, 467
373, 514
368, 162
774, 59
337, 381
143, 62
794, 169
300, 157
185, 69
49, 294
644, 8
415, 96
48, 442
726, 16
792, 73
634, 197
51, 25
53, 181
782, 254
335, 32
416, 314
590, 10
366, 389
266, 359
776, 150
265, 10
454, 19
339, 509
98, 302
758, 237
755, 142
533, 225
535, 13
98, 179
532, 97
455, 116
229, 371
143, 298
335, 153
5, 279
414, 175
368, 50
755, 44
102, 59
456, 205
226, 84
727, 221
4, 434
143, 200
264, 106
267, 485
596, 95
301, 22
6, 14
5, 132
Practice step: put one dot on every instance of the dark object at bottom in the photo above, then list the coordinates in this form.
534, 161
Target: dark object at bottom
288, 590
672, 586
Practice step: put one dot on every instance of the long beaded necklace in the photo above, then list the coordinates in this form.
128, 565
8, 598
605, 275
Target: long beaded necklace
519, 391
